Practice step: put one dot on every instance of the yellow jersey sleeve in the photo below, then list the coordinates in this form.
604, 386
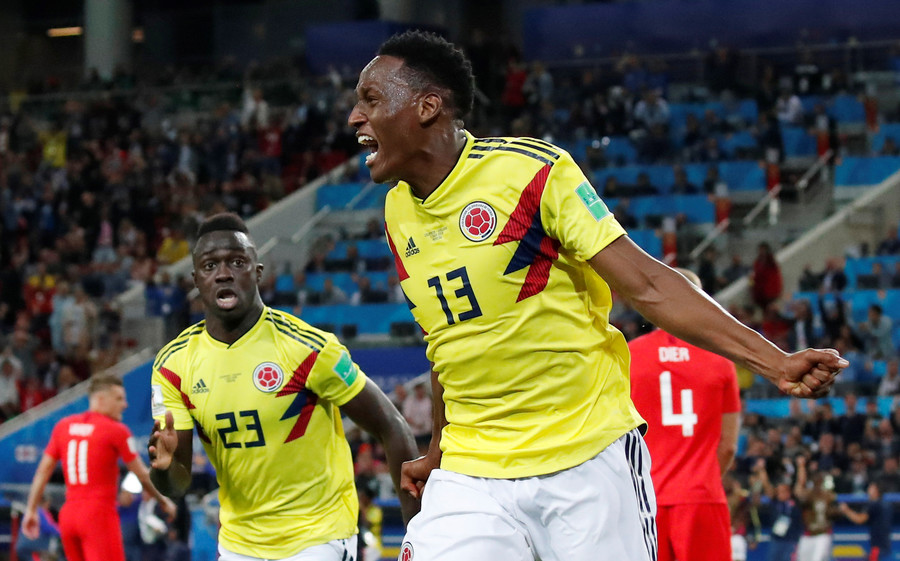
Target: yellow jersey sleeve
335, 376
574, 214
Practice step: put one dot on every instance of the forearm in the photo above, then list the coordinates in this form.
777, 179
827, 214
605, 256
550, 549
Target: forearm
439, 417
173, 482
699, 320
725, 457
400, 446
855, 517
39, 483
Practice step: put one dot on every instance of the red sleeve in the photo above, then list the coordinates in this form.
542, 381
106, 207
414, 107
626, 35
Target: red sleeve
52, 448
731, 398
124, 444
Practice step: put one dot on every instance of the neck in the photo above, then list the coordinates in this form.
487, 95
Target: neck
436, 159
221, 329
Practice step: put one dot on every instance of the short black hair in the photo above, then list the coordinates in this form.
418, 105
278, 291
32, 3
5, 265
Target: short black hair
435, 61
227, 221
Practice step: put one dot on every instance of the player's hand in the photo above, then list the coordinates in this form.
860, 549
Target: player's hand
810, 373
169, 507
414, 474
163, 442
31, 526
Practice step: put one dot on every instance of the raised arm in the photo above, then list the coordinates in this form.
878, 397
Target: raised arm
30, 523
671, 302
374, 412
171, 452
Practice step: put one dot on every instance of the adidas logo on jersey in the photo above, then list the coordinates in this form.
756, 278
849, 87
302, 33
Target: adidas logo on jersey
411, 248
200, 387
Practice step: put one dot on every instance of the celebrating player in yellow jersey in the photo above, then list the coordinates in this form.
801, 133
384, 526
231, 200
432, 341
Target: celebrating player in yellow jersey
265, 392
507, 256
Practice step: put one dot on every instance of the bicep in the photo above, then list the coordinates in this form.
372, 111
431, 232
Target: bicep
626, 268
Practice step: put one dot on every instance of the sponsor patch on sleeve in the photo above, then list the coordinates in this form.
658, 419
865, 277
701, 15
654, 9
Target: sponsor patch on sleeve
591, 201
345, 369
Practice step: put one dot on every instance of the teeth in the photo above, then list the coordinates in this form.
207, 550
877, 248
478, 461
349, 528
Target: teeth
365, 139
371, 157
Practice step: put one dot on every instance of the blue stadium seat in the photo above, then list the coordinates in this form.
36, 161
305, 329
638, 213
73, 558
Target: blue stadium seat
284, 283
858, 170
620, 151
337, 196
887, 130
732, 143
648, 241
748, 110
368, 318
863, 265
344, 281
847, 109
809, 102
797, 142
743, 175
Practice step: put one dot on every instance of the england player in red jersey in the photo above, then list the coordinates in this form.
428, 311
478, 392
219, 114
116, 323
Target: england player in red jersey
89, 446
689, 398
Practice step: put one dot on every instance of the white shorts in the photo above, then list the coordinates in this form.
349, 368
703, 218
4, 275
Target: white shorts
814, 548
335, 550
606, 504
738, 547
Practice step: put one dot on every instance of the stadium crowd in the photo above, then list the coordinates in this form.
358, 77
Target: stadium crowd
103, 191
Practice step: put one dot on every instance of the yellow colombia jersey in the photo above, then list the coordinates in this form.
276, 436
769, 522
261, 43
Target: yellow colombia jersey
493, 263
266, 409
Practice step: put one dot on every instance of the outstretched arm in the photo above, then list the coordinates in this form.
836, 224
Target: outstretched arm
30, 523
171, 452
852, 515
375, 413
667, 299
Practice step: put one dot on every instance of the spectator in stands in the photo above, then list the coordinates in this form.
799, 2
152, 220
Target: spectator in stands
611, 188
331, 293
721, 70
807, 74
10, 376
878, 517
895, 278
174, 246
682, 186
395, 293
735, 270
643, 187
889, 148
255, 114
417, 410
819, 504
787, 521
833, 277
809, 281
890, 245
399, 396
374, 230
789, 108
351, 262
823, 127
768, 137
765, 279
692, 140
890, 383
889, 475
623, 214
801, 334
365, 293
878, 278
651, 110
876, 334
852, 424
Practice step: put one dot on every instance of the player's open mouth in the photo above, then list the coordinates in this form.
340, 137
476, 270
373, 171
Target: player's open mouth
226, 298
370, 143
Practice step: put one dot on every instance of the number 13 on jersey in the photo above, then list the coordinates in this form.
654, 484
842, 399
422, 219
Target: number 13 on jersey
687, 418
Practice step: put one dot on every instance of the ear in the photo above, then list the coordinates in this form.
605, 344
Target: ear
430, 107
259, 272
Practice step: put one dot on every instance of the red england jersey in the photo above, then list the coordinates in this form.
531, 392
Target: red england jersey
682, 392
89, 445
